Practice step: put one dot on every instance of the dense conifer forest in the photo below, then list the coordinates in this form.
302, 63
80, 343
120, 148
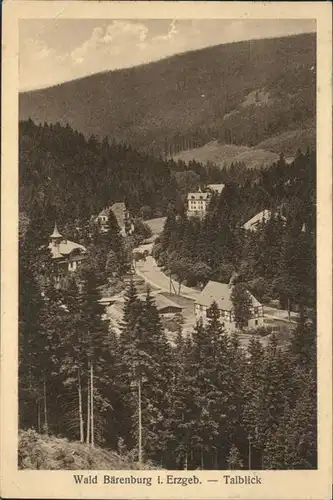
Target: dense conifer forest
205, 401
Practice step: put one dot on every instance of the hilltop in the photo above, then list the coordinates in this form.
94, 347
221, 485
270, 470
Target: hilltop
244, 93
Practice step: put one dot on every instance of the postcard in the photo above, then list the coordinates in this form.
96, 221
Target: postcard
166, 269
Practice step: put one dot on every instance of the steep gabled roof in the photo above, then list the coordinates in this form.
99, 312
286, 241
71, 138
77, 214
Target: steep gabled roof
104, 212
163, 302
221, 294
117, 208
218, 188
265, 215
198, 196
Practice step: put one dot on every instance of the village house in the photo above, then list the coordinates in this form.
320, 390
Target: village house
166, 306
197, 203
221, 294
260, 218
215, 188
122, 215
66, 255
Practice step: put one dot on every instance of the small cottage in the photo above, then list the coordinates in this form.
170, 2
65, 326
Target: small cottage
122, 215
221, 294
166, 306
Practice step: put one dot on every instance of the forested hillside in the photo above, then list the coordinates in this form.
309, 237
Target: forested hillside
65, 177
242, 93
71, 177
277, 261
205, 397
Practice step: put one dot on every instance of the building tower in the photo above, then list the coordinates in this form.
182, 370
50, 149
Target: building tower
55, 237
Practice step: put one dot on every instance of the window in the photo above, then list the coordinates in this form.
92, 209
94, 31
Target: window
256, 322
208, 313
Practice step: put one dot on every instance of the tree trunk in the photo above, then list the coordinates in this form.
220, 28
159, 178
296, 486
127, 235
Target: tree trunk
301, 313
46, 427
289, 309
38, 415
140, 422
80, 407
88, 414
250, 452
216, 458
92, 403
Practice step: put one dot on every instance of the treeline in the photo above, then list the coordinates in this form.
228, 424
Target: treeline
203, 400
277, 261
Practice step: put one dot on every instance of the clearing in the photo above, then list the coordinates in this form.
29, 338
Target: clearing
225, 154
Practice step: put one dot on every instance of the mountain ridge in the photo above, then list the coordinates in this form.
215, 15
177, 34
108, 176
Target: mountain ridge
196, 96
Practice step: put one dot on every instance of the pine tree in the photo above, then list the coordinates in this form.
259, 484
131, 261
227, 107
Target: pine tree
127, 352
293, 444
275, 392
242, 304
113, 237
98, 356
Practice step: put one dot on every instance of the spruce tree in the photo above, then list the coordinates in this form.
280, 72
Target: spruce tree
242, 304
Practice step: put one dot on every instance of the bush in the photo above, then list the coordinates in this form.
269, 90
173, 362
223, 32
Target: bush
44, 452
262, 331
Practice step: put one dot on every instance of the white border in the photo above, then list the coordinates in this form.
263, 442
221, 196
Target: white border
59, 484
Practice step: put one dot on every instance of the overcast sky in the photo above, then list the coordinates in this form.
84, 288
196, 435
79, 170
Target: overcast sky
53, 51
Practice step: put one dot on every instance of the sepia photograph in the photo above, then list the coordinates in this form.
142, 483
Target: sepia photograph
167, 247
167, 244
